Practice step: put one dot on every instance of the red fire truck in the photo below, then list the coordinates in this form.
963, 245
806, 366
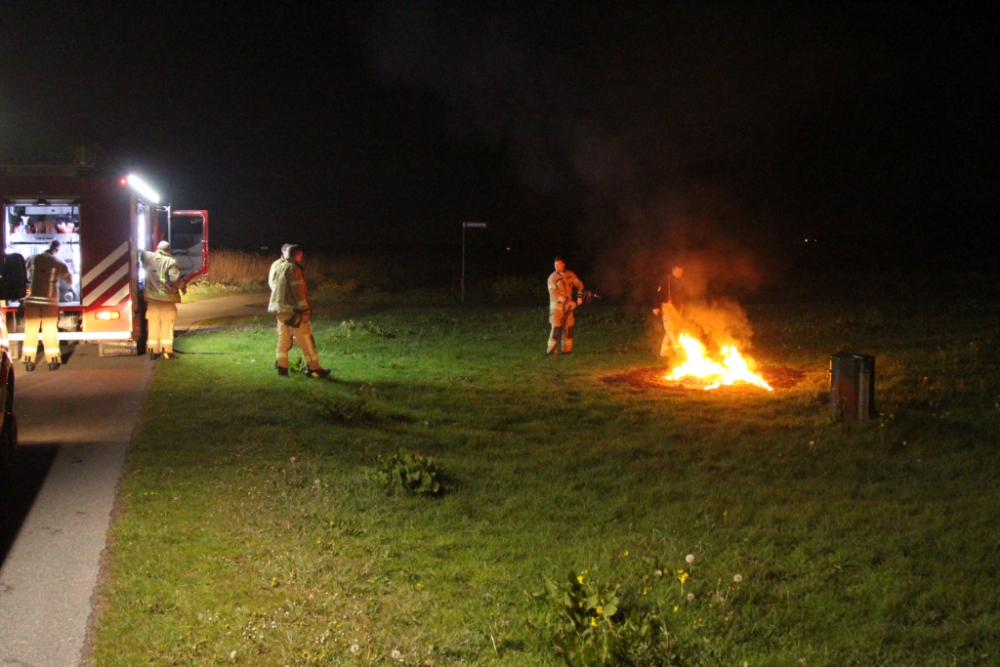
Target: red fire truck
102, 224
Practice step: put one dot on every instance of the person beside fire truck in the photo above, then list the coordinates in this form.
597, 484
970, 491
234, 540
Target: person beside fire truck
41, 307
162, 289
561, 306
670, 298
290, 302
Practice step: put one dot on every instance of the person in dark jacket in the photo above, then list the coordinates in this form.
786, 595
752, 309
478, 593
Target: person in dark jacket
671, 295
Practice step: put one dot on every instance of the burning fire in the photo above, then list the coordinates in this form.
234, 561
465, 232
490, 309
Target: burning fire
733, 368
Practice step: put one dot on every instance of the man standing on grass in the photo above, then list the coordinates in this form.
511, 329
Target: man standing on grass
561, 307
670, 297
162, 289
41, 307
290, 301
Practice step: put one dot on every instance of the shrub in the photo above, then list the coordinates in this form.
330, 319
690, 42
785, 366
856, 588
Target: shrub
593, 628
412, 472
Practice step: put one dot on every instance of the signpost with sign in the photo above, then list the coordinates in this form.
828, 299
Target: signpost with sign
472, 225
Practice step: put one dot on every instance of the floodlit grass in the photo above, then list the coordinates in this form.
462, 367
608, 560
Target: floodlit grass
250, 532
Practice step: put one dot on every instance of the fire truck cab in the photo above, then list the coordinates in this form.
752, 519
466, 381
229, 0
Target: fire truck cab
102, 223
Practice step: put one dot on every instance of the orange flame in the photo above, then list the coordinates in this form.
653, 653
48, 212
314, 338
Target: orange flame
734, 368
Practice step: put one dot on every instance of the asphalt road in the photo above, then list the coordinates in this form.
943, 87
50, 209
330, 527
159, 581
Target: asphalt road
75, 426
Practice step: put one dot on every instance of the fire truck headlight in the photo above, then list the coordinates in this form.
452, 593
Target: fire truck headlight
107, 315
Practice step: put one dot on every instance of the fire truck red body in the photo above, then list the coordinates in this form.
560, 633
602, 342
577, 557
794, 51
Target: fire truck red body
102, 223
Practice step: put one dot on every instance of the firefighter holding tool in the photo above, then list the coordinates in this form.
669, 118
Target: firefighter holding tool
162, 290
561, 306
290, 302
41, 307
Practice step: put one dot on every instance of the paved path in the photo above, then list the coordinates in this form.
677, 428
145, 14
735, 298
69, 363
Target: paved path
239, 305
75, 427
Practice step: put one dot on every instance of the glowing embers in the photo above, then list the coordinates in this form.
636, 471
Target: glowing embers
732, 369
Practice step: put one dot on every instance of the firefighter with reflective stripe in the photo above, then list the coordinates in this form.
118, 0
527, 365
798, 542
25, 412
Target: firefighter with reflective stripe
670, 297
561, 307
162, 289
290, 302
41, 307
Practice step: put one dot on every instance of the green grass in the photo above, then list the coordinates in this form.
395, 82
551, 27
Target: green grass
203, 289
248, 522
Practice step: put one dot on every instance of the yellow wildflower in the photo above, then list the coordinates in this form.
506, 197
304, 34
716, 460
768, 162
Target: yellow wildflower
593, 622
600, 610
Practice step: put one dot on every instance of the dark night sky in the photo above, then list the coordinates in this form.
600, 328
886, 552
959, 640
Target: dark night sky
580, 125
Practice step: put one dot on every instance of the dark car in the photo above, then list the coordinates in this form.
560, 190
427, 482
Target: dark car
8, 422
12, 288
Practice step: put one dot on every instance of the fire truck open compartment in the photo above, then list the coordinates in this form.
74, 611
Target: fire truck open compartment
32, 225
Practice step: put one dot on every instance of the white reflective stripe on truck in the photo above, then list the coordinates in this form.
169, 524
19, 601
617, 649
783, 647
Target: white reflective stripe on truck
105, 263
118, 296
112, 281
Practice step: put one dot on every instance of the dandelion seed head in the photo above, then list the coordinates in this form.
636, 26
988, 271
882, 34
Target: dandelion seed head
396, 655
689, 558
690, 597
738, 578
355, 648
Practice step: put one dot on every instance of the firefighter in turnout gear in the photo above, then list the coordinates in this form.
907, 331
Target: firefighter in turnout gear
41, 307
290, 302
561, 307
162, 290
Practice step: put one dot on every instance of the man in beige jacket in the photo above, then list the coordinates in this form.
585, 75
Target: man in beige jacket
41, 307
561, 284
290, 302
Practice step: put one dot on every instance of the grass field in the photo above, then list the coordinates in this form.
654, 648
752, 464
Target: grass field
250, 532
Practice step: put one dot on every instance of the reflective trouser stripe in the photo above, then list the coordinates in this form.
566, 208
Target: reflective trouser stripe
161, 316
301, 336
44, 317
